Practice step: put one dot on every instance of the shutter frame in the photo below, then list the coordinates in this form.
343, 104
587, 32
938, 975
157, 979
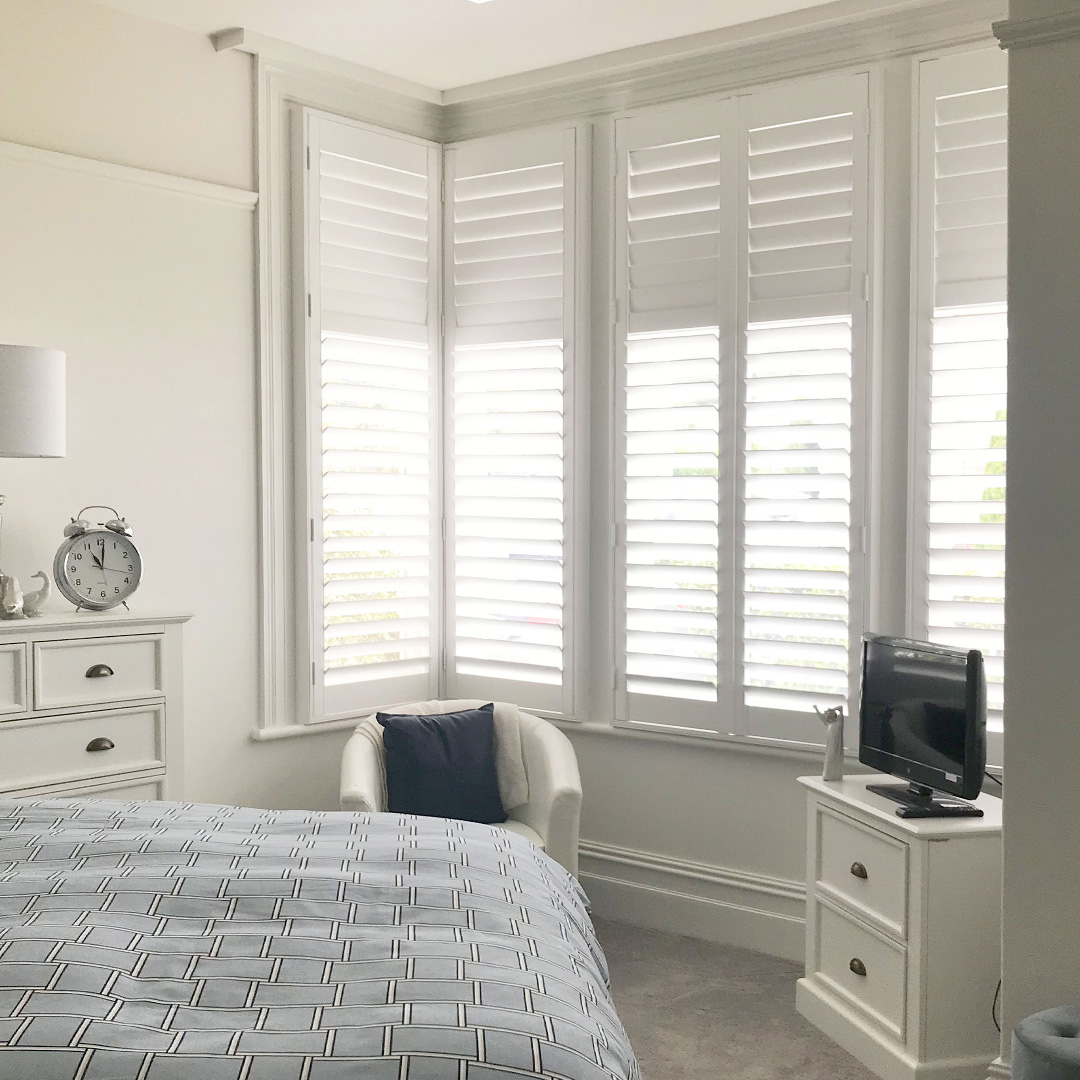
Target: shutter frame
785, 250
961, 326
379, 350
510, 265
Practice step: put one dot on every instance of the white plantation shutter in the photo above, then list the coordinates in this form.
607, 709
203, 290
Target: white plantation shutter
370, 256
509, 328
742, 262
960, 522
806, 260
669, 262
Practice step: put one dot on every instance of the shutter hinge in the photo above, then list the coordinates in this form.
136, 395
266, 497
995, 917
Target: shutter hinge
312, 672
312, 522
309, 157
863, 541
866, 288
309, 305
442, 660
616, 307
442, 324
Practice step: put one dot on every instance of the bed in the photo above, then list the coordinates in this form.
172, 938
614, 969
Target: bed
172, 941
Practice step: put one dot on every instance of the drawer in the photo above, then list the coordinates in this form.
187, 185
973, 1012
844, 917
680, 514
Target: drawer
131, 791
865, 869
862, 966
56, 751
12, 679
96, 671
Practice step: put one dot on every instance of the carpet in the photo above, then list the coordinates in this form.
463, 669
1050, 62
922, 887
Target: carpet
699, 1011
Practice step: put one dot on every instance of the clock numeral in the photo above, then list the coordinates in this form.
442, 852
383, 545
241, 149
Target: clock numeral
130, 566
78, 581
78, 555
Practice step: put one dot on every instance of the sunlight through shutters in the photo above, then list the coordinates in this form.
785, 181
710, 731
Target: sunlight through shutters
370, 258
963, 338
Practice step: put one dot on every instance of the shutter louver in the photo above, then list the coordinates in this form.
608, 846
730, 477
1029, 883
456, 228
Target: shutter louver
670, 209
370, 257
797, 492
963, 297
744, 246
510, 297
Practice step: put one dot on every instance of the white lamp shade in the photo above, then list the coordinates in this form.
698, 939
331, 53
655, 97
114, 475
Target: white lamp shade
33, 402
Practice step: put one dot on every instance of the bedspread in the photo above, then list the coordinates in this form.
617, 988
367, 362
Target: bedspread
173, 941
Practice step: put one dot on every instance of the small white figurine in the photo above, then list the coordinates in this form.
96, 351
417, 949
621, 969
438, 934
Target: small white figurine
11, 598
35, 601
833, 719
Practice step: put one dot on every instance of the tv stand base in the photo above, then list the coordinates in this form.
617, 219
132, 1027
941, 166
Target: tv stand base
918, 801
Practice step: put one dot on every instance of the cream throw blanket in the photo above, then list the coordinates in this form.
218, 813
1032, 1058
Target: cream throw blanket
509, 761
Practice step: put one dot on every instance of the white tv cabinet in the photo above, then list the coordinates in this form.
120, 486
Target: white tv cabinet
903, 932
92, 704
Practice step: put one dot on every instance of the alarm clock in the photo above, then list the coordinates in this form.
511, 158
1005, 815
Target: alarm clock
97, 566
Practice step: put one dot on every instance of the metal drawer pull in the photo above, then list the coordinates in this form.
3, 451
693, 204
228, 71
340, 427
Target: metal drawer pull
858, 966
95, 745
858, 870
99, 671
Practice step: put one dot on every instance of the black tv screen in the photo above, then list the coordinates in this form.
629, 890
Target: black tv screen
923, 713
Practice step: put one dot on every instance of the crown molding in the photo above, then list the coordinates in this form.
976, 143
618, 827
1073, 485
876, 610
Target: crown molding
763, 51
1023, 33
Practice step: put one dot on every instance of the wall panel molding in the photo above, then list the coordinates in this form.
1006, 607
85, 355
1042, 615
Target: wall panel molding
752, 911
1023, 33
129, 174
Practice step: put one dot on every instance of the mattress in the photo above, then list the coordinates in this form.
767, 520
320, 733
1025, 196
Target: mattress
172, 941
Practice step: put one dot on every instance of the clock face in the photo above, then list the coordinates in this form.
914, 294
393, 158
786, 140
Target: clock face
98, 569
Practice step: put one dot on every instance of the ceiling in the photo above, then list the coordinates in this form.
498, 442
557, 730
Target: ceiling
448, 43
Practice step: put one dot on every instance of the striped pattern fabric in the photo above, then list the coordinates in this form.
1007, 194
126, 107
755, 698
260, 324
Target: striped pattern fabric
169, 941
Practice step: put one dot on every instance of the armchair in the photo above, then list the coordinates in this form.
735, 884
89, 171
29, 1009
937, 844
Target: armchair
550, 818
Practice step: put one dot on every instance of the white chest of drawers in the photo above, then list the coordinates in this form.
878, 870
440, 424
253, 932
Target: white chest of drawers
92, 704
903, 932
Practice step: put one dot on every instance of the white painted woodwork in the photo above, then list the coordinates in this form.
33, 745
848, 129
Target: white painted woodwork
876, 898
139, 709
922, 924
62, 671
54, 750
12, 678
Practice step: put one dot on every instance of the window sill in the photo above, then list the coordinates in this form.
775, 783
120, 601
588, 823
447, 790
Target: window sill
721, 743
292, 731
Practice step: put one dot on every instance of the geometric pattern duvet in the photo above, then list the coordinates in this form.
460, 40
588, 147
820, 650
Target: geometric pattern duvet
172, 941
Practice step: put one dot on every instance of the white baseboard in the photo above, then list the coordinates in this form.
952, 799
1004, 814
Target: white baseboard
715, 903
1000, 1070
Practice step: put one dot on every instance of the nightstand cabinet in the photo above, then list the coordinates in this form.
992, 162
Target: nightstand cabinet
91, 704
903, 932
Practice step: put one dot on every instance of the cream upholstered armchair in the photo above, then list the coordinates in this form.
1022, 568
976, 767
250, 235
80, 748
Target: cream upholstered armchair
549, 817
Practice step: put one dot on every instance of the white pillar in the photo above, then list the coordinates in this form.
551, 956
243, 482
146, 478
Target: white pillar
1041, 888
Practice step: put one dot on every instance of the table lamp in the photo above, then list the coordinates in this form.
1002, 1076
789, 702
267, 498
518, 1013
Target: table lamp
33, 404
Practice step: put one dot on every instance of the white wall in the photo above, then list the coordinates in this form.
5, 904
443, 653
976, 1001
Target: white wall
1042, 744
151, 294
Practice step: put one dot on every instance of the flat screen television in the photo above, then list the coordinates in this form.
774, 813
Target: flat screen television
922, 716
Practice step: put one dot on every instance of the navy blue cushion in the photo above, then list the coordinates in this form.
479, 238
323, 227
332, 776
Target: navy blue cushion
443, 765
